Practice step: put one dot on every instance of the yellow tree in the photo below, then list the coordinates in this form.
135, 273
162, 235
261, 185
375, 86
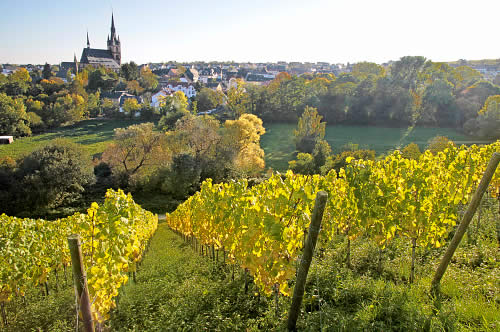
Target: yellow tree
244, 135
130, 106
238, 99
134, 87
148, 79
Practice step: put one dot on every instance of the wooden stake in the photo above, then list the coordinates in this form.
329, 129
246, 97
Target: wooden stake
277, 299
467, 217
57, 280
246, 280
4, 314
65, 276
80, 281
412, 271
312, 237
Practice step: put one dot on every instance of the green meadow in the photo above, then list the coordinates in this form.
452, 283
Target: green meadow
93, 134
279, 146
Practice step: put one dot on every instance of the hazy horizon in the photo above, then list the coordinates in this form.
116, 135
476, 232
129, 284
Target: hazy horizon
258, 31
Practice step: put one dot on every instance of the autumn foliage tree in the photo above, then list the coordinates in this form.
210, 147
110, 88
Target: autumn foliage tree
237, 99
488, 120
136, 150
13, 118
244, 134
309, 130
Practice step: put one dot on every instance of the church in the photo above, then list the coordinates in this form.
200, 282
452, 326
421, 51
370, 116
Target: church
109, 58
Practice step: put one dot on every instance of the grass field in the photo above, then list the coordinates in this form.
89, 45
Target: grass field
93, 134
279, 147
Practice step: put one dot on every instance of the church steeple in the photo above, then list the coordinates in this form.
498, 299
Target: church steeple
114, 42
88, 42
76, 63
113, 30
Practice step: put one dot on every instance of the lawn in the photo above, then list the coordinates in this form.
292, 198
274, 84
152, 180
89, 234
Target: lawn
93, 134
279, 147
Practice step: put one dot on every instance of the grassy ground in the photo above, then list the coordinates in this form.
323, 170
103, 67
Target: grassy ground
93, 134
279, 147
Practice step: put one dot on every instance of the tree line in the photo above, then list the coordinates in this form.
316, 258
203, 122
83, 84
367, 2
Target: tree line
37, 101
411, 91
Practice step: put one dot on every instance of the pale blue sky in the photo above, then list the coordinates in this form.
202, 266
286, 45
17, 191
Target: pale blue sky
257, 31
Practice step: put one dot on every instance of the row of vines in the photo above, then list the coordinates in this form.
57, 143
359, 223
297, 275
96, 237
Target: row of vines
114, 237
263, 228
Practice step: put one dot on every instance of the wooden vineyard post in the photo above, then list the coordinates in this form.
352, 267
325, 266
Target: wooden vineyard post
4, 314
466, 219
80, 280
312, 237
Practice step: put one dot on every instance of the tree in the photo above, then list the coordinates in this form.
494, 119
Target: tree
406, 71
55, 174
244, 136
68, 108
94, 104
109, 108
183, 177
53, 85
304, 164
36, 122
439, 143
129, 71
411, 151
47, 71
309, 130
321, 152
173, 108
18, 83
367, 68
134, 87
100, 79
488, 120
438, 103
131, 106
13, 118
208, 99
136, 149
237, 99
148, 79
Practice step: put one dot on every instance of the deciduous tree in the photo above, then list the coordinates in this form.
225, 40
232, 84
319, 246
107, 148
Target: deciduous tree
309, 130
13, 118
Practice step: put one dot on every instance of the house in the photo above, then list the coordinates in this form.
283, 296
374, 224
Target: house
65, 66
174, 72
185, 87
119, 97
217, 86
156, 99
6, 139
192, 75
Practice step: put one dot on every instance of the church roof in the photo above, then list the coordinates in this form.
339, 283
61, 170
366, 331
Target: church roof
96, 53
98, 57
